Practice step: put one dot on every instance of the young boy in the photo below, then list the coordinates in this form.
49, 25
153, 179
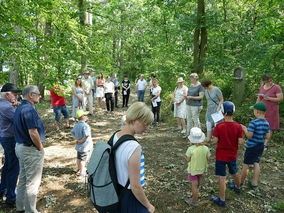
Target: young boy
197, 156
84, 143
257, 131
228, 135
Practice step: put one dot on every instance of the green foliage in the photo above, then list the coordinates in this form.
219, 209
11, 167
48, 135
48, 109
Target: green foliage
142, 36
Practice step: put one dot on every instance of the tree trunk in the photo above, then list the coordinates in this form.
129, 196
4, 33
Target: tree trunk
200, 39
113, 47
14, 72
82, 23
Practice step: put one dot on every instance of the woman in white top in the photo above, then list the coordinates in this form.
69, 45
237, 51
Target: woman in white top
129, 161
156, 101
180, 104
109, 93
100, 81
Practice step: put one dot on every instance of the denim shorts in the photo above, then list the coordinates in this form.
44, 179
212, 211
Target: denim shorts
61, 109
220, 167
253, 155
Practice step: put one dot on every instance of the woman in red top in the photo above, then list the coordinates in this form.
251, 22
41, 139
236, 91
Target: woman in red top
100, 81
270, 94
59, 105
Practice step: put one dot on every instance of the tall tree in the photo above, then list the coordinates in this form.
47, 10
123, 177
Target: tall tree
200, 38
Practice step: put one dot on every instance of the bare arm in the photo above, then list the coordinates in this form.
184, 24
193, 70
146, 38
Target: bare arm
248, 133
215, 140
196, 98
75, 94
240, 141
82, 140
279, 98
221, 99
134, 177
36, 138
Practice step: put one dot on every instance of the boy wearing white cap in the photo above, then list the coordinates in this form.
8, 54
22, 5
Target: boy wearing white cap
197, 156
228, 135
84, 144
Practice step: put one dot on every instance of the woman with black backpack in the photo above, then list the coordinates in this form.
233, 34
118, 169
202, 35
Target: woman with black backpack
129, 161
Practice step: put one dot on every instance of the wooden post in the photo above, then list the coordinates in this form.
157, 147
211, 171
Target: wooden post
239, 85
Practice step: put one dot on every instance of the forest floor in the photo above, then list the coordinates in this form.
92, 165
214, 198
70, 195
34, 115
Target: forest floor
165, 170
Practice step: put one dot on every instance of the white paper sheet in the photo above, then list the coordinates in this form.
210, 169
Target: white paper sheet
217, 116
154, 103
124, 92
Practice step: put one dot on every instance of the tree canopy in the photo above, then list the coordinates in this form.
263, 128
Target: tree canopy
41, 39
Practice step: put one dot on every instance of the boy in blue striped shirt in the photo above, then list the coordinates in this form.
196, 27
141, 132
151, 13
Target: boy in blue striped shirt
257, 132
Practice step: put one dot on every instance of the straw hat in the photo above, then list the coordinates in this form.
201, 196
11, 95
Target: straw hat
180, 80
196, 135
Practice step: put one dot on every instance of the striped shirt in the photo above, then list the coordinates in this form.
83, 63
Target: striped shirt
142, 176
259, 127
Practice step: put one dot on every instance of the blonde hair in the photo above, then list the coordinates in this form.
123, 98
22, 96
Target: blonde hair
141, 112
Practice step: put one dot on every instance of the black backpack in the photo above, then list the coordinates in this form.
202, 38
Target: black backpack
104, 190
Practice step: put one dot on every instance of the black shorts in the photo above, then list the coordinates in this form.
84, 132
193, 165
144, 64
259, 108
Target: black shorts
253, 155
82, 156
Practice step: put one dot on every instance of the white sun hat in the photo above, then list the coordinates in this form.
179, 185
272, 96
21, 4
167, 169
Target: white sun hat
180, 80
196, 135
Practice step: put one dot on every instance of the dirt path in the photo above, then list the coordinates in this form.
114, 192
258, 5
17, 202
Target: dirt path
165, 170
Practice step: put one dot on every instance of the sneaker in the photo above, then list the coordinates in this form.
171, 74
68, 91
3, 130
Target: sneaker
183, 131
237, 191
190, 201
251, 185
231, 185
218, 201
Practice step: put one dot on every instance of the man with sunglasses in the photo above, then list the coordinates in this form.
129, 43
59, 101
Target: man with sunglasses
30, 136
10, 170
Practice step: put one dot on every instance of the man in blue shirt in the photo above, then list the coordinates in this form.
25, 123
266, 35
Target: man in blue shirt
10, 170
30, 136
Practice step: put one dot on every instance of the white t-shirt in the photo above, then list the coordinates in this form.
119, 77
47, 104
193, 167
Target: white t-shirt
109, 87
141, 84
155, 91
122, 155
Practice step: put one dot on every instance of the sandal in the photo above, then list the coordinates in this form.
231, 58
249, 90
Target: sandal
218, 201
190, 201
251, 185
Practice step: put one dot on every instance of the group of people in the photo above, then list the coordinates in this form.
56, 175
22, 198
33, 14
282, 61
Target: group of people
188, 103
107, 91
22, 136
228, 135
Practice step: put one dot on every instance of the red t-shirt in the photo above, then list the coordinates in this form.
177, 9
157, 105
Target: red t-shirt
56, 100
228, 134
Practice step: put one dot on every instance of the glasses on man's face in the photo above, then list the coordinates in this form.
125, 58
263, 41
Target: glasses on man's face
38, 94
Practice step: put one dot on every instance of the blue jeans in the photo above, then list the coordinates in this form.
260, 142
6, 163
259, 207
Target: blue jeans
140, 94
10, 170
61, 109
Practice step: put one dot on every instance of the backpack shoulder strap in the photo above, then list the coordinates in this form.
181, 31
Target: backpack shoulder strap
122, 139
110, 141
